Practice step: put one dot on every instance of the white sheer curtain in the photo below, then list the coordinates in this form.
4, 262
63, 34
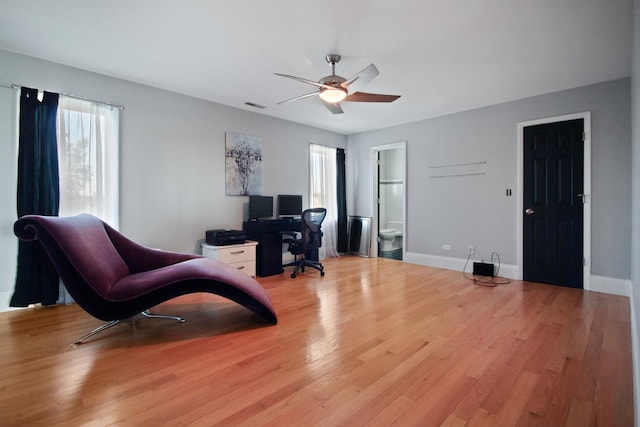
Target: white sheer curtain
88, 145
323, 194
88, 157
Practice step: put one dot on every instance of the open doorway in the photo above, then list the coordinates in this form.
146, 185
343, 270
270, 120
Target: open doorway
389, 195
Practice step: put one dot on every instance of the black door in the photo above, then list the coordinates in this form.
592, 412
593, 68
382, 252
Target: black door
378, 238
553, 203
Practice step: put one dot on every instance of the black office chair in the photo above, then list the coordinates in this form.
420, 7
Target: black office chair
306, 247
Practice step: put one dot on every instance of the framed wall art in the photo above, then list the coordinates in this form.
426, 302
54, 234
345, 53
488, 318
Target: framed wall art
243, 164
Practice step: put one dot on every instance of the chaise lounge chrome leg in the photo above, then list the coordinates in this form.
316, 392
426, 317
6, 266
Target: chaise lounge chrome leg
163, 316
131, 320
95, 331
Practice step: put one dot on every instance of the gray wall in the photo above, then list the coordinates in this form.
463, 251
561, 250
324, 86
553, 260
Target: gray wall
635, 199
9, 176
474, 210
171, 154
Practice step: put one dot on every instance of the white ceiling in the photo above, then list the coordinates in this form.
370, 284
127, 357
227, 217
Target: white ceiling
442, 56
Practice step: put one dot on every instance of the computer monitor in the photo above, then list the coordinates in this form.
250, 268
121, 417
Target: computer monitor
289, 205
260, 207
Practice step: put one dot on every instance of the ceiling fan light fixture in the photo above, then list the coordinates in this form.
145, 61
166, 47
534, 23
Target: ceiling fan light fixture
333, 95
333, 89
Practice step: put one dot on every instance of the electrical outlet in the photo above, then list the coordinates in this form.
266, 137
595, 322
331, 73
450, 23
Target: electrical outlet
471, 250
446, 247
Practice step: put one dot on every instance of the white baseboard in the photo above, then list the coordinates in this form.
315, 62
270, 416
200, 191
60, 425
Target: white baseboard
610, 285
457, 264
607, 285
5, 299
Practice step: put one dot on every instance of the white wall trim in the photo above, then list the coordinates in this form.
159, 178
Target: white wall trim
63, 298
5, 299
456, 264
586, 116
611, 285
606, 285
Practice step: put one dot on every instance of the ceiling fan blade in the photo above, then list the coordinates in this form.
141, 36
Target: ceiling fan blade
363, 77
299, 97
300, 79
370, 97
335, 108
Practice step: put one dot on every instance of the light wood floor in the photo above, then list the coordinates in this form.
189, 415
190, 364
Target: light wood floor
374, 342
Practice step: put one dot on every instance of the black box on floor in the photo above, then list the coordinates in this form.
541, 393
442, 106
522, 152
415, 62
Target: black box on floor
483, 269
221, 237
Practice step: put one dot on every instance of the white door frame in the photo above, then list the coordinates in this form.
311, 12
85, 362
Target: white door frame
586, 116
374, 181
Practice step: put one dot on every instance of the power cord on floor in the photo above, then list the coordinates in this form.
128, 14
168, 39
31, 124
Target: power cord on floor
486, 280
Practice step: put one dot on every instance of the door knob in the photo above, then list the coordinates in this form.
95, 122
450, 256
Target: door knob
529, 211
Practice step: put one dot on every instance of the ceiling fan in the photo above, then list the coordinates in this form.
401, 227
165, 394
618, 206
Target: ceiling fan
333, 88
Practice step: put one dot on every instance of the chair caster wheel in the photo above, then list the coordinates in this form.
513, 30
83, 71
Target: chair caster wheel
293, 275
322, 273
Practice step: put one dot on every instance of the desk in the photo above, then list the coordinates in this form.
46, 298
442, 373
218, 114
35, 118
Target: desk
269, 250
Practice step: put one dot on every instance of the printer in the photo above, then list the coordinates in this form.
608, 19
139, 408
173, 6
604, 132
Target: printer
221, 237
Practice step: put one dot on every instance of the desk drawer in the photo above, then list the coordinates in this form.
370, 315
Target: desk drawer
236, 254
248, 267
241, 256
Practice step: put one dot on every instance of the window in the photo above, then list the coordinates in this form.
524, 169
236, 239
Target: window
323, 194
88, 147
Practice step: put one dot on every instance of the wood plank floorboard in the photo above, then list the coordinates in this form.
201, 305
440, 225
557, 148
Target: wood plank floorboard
375, 342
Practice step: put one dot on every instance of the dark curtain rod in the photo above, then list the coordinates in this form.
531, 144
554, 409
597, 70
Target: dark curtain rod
119, 107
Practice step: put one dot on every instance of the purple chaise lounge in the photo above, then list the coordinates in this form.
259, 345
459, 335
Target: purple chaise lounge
114, 278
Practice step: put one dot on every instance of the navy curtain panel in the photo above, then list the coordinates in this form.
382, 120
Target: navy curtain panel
341, 192
38, 193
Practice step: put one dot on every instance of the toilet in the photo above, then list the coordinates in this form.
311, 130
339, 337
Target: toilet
391, 236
